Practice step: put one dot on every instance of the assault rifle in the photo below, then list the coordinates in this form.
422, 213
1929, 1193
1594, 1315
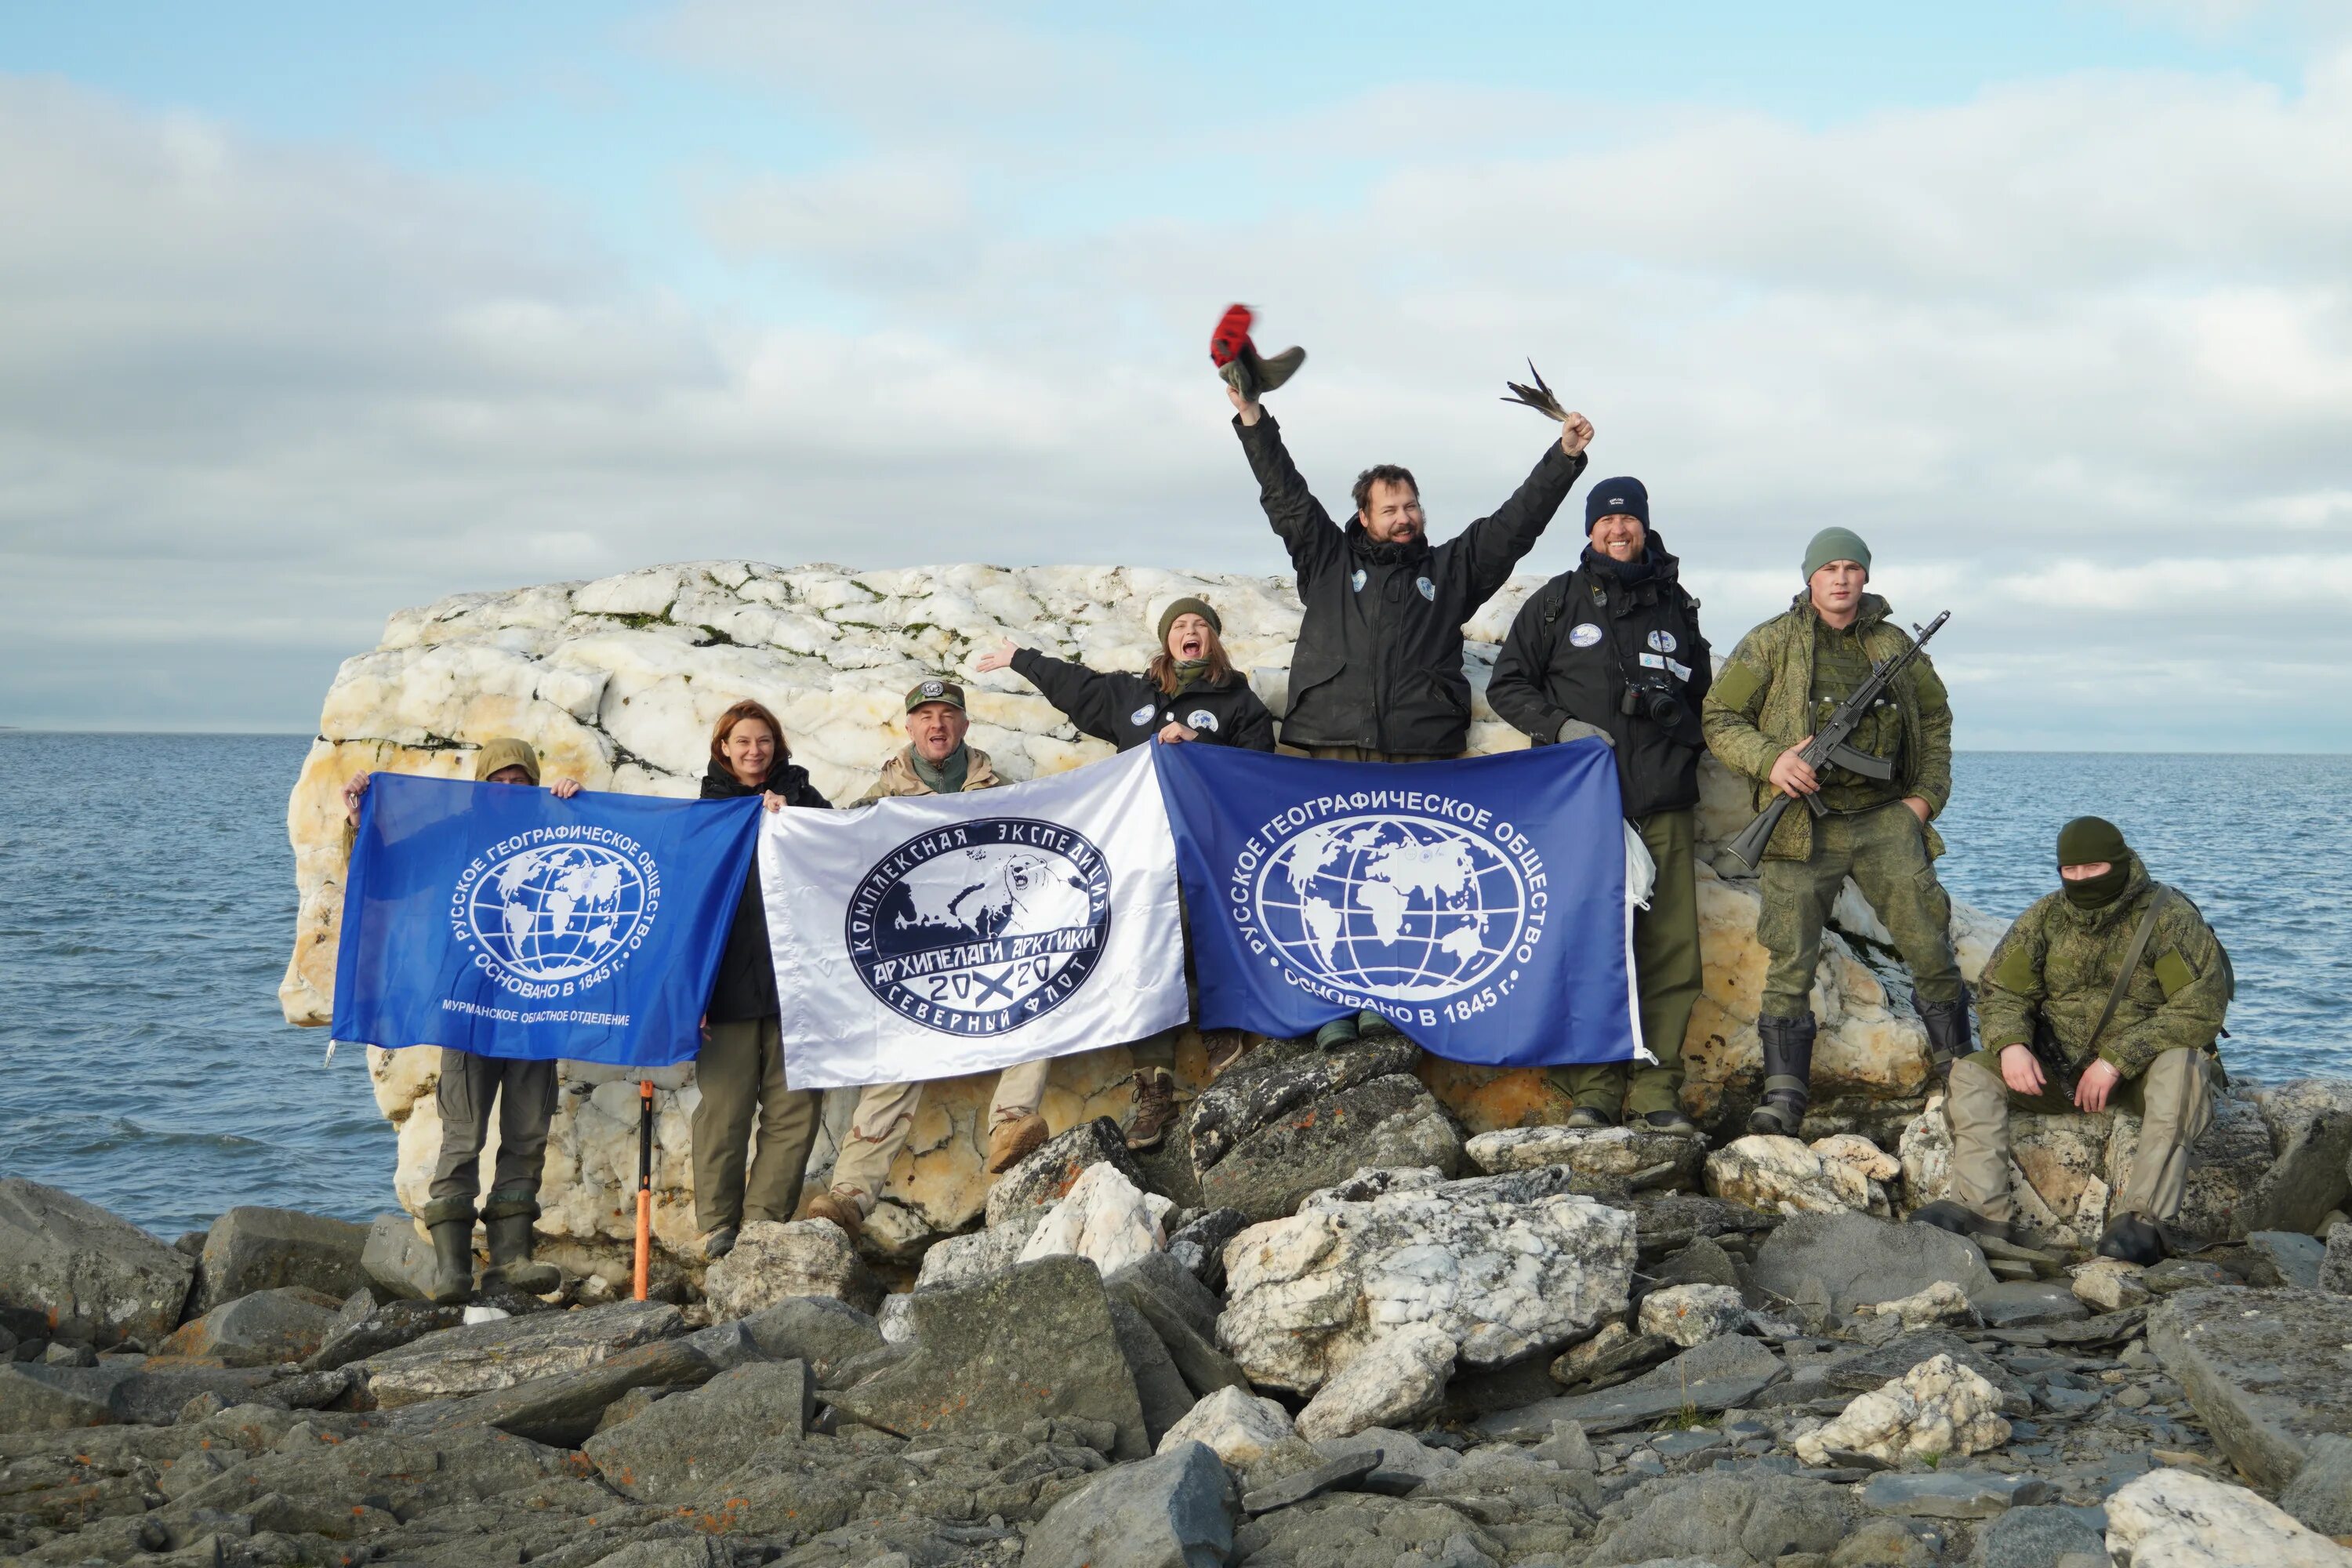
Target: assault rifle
1835, 745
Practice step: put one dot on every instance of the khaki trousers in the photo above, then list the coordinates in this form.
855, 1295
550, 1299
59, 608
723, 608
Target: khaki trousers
2173, 1099
740, 1072
1885, 852
525, 1095
1668, 972
885, 1118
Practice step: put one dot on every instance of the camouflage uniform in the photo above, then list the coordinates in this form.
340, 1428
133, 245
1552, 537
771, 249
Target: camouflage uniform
1779, 686
2051, 974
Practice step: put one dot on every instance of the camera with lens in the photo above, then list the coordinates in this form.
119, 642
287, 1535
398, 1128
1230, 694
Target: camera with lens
1652, 697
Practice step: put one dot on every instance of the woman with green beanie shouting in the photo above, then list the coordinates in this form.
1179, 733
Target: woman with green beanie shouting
1189, 692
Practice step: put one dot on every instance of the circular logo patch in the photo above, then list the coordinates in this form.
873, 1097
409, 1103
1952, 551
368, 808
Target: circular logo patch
1428, 589
934, 688
1200, 718
1141, 715
540, 914
1585, 635
979, 927
1662, 642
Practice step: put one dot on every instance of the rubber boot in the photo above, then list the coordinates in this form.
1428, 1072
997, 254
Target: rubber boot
508, 1219
1370, 1025
2133, 1239
1788, 1075
1945, 1214
1337, 1033
1948, 1033
1588, 1117
450, 1222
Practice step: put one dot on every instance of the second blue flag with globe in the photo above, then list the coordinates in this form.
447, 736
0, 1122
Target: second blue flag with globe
1481, 905
498, 919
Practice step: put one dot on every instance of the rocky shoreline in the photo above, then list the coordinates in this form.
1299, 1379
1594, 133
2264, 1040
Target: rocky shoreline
1531, 1346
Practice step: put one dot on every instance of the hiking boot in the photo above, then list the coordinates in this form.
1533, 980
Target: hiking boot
453, 1261
1375, 1026
2133, 1239
1337, 1033
1224, 1048
1788, 1075
718, 1243
1010, 1142
1238, 362
1585, 1117
1961, 1220
1155, 1110
844, 1212
508, 1221
1670, 1120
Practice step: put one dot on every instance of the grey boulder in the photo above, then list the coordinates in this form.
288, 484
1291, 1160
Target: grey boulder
2268, 1372
1173, 1510
687, 1441
252, 1249
397, 1258
1739, 1520
1392, 1123
824, 1332
482, 1358
1044, 1178
1845, 1260
88, 1275
1716, 1375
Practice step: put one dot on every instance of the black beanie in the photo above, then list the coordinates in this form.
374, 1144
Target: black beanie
1611, 497
2088, 840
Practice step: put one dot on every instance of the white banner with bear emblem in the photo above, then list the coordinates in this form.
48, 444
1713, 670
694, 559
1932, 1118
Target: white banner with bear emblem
928, 936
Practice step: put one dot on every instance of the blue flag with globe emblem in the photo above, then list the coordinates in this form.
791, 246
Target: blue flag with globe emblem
1481, 905
499, 919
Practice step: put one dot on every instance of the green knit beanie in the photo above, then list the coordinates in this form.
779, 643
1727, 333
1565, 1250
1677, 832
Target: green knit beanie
1835, 544
1190, 606
2088, 840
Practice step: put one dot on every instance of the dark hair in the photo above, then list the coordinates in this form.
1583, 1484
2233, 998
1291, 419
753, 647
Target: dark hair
1382, 473
1162, 667
747, 708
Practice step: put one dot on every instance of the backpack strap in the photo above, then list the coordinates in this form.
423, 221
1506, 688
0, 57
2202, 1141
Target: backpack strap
2137, 951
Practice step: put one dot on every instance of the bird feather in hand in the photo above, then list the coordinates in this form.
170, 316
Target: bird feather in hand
1538, 398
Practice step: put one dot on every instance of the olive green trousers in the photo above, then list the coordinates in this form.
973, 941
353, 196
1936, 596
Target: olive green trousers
1667, 973
1886, 853
524, 1094
740, 1072
2173, 1100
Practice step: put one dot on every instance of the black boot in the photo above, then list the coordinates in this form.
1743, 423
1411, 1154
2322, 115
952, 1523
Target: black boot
508, 1219
1338, 1032
1948, 1033
1788, 1075
2133, 1239
451, 1223
1944, 1214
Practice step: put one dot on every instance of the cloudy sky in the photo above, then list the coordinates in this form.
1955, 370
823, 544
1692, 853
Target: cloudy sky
307, 315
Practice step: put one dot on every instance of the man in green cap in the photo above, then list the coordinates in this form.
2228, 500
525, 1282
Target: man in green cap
1782, 682
2107, 994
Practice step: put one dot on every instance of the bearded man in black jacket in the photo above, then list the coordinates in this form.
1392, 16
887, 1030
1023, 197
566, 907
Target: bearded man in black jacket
1377, 675
1611, 650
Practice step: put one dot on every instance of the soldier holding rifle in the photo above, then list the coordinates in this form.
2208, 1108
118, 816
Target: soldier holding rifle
1869, 798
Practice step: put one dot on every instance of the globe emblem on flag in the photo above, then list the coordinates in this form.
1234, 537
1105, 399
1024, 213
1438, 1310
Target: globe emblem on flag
1404, 908
555, 913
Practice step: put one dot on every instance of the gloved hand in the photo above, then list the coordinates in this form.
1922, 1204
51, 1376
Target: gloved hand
1576, 730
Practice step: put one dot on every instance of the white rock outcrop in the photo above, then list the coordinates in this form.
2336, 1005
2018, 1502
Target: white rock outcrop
617, 682
1941, 1303
1505, 1265
1104, 1217
1398, 1381
1692, 1314
772, 1262
2178, 1518
1783, 1175
1252, 1434
1938, 1407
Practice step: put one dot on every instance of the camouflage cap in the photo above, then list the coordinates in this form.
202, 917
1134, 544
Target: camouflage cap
506, 753
923, 692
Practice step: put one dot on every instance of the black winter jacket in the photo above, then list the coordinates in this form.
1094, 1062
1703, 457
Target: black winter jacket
745, 986
1128, 710
1576, 641
1379, 661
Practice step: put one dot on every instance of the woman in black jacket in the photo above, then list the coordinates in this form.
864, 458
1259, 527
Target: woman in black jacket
1190, 691
741, 1067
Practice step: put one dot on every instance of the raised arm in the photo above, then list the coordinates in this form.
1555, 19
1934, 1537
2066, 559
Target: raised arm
1306, 529
1493, 545
1085, 694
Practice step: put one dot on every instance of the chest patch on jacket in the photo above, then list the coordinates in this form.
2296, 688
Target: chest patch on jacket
1355, 579
1428, 589
1662, 642
1585, 635
1202, 719
1141, 715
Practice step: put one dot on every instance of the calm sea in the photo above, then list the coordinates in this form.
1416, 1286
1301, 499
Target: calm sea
147, 901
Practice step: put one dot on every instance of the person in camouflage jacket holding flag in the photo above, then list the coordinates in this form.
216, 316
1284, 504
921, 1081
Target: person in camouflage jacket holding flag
2108, 993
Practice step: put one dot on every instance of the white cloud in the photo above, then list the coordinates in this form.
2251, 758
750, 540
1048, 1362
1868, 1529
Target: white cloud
2076, 357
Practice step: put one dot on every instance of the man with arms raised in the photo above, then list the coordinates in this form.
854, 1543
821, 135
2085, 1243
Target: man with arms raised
2108, 993
1783, 680
1377, 675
